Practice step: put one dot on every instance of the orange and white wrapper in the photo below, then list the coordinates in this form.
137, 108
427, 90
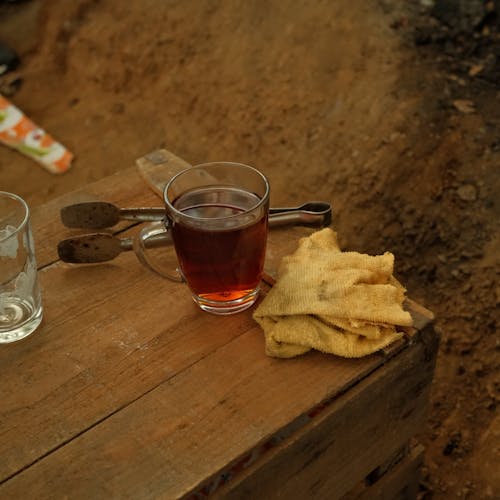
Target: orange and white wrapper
19, 132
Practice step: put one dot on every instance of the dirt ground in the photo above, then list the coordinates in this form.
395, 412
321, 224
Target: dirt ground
388, 109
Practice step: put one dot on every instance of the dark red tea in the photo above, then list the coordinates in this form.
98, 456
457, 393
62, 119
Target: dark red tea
221, 260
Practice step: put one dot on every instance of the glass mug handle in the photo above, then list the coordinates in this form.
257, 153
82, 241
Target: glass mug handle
152, 236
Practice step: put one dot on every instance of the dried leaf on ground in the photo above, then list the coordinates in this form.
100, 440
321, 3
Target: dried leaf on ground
465, 106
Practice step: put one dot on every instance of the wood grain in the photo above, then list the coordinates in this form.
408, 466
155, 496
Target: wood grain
129, 390
355, 433
200, 419
401, 482
158, 167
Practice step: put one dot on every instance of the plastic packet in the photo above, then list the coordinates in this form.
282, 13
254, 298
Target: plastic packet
19, 132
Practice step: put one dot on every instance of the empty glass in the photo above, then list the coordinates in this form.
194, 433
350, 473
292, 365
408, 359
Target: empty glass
20, 298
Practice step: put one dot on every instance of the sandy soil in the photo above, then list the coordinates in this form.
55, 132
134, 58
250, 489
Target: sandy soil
388, 109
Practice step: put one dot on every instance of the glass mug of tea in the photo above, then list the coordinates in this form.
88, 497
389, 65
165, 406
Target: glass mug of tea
217, 217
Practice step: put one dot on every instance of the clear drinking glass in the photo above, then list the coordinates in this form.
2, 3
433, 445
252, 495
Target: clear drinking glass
20, 298
217, 216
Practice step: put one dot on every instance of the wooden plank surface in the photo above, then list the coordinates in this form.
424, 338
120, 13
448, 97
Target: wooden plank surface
399, 483
128, 389
353, 434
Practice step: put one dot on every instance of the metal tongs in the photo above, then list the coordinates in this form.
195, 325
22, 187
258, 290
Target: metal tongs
101, 247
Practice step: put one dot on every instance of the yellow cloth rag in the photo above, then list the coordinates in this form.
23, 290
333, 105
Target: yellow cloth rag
344, 303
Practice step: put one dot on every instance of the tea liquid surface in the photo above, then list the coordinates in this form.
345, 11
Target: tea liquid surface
220, 247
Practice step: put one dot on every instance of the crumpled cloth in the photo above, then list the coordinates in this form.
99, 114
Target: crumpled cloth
343, 303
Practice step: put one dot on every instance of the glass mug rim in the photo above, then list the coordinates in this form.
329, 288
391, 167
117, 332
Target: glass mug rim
262, 199
25, 207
